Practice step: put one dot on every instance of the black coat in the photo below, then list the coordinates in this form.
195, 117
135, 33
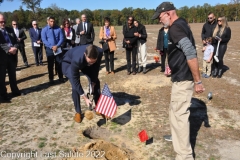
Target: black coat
4, 48
226, 36
23, 36
88, 37
141, 29
160, 39
207, 30
128, 34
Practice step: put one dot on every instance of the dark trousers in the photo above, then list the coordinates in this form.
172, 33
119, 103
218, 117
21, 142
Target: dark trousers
131, 55
163, 58
10, 68
23, 53
76, 96
109, 59
51, 60
221, 52
37, 54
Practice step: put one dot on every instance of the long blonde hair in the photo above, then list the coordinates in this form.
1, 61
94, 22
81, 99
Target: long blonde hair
224, 25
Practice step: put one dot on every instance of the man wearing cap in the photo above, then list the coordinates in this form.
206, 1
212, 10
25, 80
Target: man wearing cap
183, 62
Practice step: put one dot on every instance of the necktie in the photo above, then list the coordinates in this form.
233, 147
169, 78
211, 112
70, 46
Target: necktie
36, 31
6, 38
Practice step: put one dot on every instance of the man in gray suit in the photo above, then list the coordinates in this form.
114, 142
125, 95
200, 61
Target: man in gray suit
77, 39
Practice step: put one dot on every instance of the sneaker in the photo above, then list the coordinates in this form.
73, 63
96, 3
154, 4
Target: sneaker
203, 75
206, 76
168, 138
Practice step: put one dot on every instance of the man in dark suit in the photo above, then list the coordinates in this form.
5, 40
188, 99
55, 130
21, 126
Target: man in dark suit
86, 58
21, 36
35, 34
8, 50
86, 31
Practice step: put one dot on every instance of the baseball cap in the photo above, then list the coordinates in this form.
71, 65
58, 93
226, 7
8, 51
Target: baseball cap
163, 7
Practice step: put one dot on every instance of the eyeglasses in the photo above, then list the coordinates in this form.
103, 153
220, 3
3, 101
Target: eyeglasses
14, 24
210, 17
219, 20
2, 21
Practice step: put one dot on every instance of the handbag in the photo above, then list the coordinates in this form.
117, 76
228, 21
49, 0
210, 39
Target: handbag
105, 46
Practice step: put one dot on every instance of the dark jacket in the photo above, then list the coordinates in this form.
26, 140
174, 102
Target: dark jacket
89, 36
75, 60
160, 39
4, 48
23, 36
64, 44
141, 29
226, 36
207, 30
128, 34
35, 36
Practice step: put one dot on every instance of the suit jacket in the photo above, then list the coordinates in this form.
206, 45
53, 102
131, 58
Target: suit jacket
23, 36
35, 36
75, 60
89, 36
4, 48
111, 42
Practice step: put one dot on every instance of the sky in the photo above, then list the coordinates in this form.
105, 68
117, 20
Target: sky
107, 4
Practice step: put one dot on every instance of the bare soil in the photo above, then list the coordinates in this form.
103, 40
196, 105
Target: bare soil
42, 121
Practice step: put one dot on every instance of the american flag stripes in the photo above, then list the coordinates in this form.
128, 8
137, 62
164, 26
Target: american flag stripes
106, 105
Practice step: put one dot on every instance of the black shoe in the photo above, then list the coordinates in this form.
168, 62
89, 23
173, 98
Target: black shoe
5, 99
219, 73
41, 64
61, 80
18, 94
215, 73
128, 73
37, 64
26, 64
144, 70
139, 69
51, 82
162, 70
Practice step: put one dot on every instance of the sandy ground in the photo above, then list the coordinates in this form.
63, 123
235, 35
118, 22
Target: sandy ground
41, 122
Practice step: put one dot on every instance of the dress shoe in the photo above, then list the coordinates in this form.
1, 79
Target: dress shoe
77, 118
134, 73
144, 70
219, 73
107, 73
61, 80
112, 72
162, 70
37, 64
41, 64
26, 64
139, 69
128, 73
5, 98
51, 82
18, 94
215, 73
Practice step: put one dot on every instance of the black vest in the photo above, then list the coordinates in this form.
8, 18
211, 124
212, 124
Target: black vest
177, 61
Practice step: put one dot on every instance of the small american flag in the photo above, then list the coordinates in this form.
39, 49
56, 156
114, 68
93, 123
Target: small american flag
106, 105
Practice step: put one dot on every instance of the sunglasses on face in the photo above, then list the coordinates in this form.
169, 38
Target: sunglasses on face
34, 24
219, 20
66, 23
2, 21
210, 17
129, 19
14, 24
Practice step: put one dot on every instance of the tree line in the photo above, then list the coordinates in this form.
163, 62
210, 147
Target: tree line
194, 14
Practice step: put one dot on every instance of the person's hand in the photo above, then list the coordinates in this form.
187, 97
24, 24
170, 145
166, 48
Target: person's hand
87, 101
127, 41
19, 39
136, 34
82, 32
199, 88
139, 35
13, 50
38, 42
54, 48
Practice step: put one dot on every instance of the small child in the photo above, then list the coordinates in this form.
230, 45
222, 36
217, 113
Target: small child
207, 58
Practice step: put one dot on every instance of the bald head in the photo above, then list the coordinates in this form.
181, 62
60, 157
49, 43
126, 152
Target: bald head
2, 21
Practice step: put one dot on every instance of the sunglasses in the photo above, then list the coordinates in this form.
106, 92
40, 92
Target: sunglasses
66, 23
34, 24
129, 19
14, 24
210, 17
2, 21
219, 20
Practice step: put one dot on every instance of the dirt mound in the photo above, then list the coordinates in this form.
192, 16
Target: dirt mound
103, 150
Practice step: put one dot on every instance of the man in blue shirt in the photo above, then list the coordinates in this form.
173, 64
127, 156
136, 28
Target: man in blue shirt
52, 37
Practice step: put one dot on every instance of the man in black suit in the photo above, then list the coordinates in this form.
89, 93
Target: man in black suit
86, 31
86, 58
8, 50
21, 36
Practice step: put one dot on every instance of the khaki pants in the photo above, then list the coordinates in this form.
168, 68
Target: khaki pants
178, 115
207, 66
142, 54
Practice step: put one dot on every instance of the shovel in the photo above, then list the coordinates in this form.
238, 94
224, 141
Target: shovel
216, 55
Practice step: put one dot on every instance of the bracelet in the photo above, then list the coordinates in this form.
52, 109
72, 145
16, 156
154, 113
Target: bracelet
200, 82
